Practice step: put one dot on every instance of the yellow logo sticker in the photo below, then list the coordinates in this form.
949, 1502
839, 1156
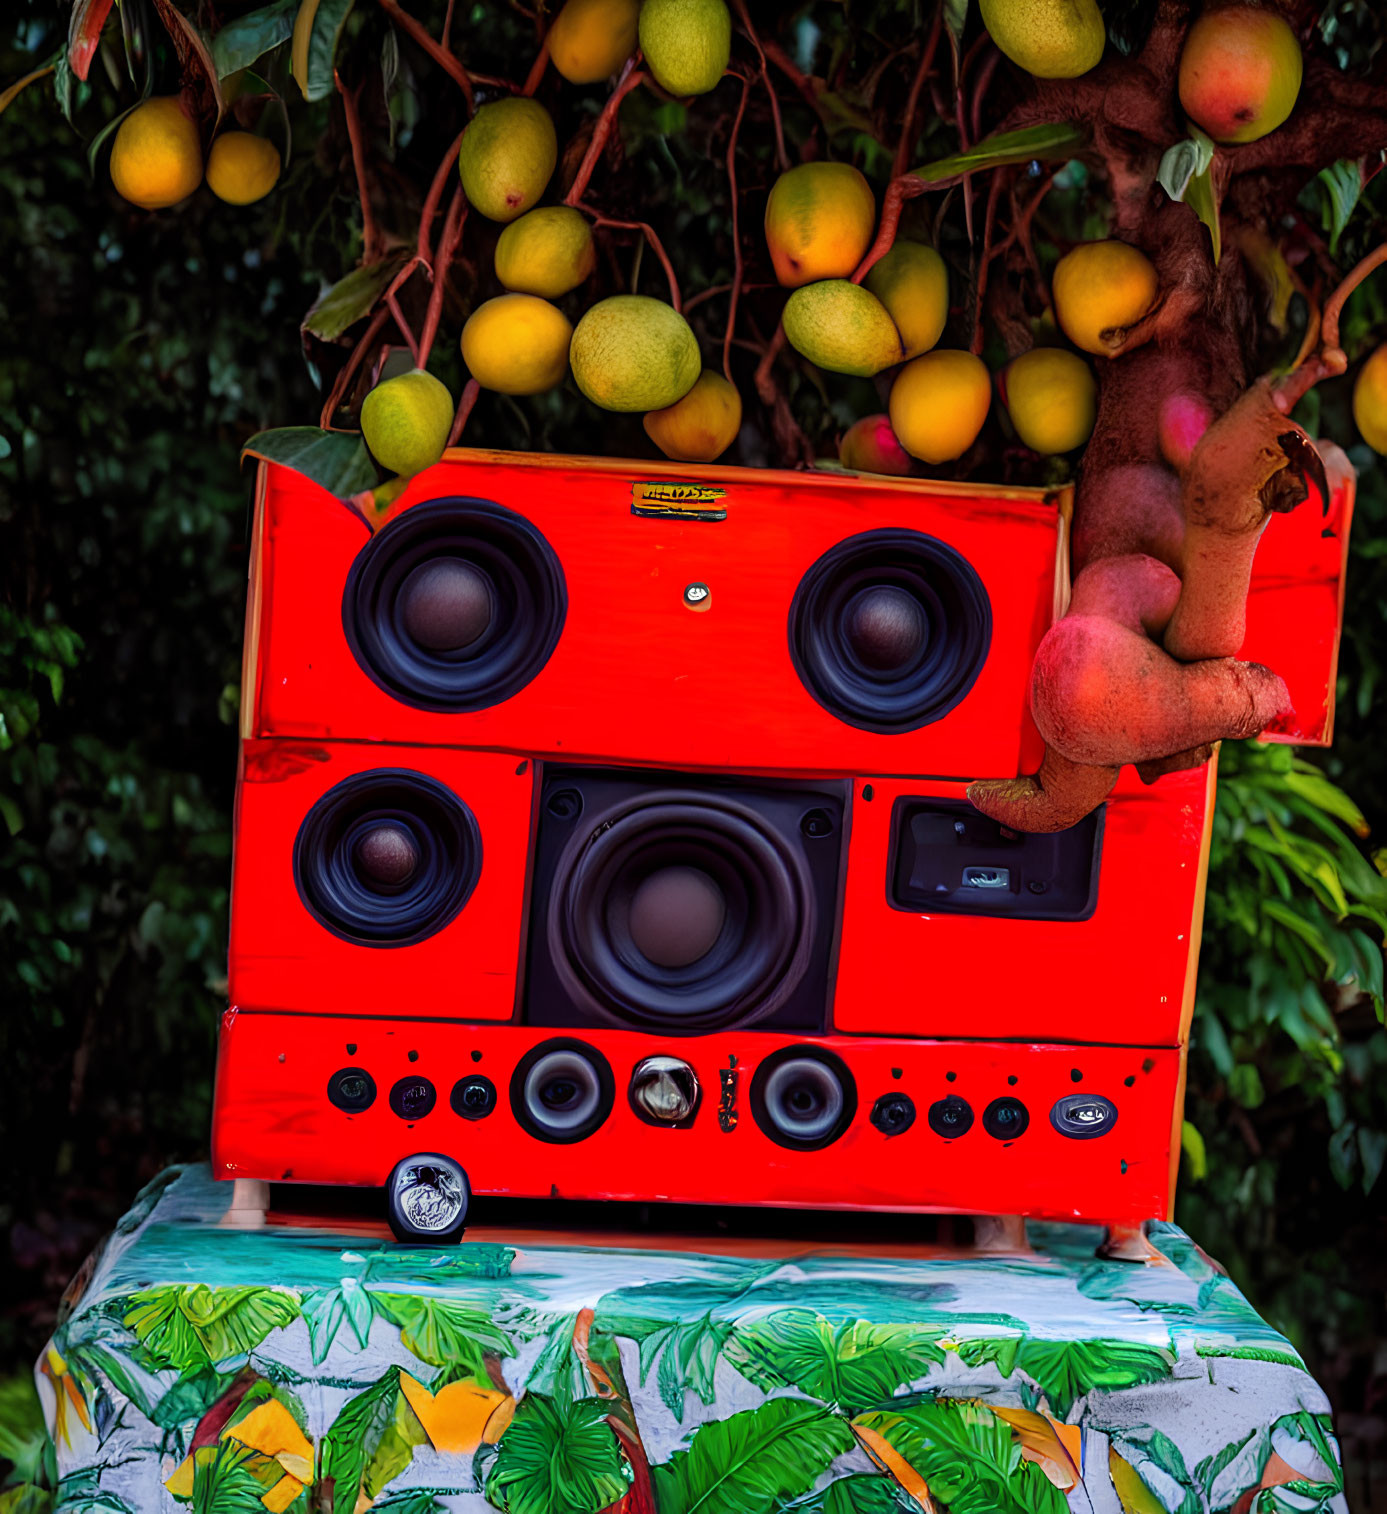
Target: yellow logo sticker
669, 500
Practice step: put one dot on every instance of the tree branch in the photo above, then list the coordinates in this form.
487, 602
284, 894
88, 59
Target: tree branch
656, 246
631, 77
1330, 360
781, 157
738, 263
906, 145
440, 55
372, 244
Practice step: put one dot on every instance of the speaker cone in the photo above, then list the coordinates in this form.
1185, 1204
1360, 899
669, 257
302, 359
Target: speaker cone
803, 1097
387, 857
682, 909
889, 630
562, 1091
455, 605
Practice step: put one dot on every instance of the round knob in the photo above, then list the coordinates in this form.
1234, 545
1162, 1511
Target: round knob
387, 855
886, 627
676, 916
445, 604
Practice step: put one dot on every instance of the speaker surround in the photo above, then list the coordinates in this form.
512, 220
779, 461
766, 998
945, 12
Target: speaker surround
890, 629
682, 904
454, 606
562, 1091
387, 857
803, 1097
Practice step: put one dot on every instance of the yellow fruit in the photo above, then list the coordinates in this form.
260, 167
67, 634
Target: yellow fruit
459, 1417
840, 326
634, 353
701, 426
1239, 72
819, 221
517, 344
1051, 398
1370, 400
507, 156
591, 39
687, 43
1052, 39
938, 404
913, 284
870, 446
547, 252
156, 159
1101, 288
406, 421
242, 168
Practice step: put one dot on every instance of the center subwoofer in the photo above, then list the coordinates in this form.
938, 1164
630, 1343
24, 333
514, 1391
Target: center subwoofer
890, 629
683, 904
455, 605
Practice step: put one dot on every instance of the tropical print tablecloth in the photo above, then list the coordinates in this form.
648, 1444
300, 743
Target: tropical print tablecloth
233, 1371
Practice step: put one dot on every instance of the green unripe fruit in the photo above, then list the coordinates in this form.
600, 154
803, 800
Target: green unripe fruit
687, 43
507, 157
406, 421
840, 326
634, 353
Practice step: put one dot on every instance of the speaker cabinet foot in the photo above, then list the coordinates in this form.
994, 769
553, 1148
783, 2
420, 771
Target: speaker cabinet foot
250, 1199
1128, 1243
996, 1234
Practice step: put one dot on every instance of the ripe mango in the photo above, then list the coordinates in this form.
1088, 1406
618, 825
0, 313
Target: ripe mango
1051, 39
242, 168
507, 156
546, 252
913, 283
871, 446
840, 326
156, 159
1239, 72
1099, 289
1370, 400
517, 344
687, 43
631, 352
702, 425
406, 421
1052, 399
591, 39
819, 221
938, 404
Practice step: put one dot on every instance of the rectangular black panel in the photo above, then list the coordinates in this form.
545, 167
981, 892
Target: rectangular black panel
947, 859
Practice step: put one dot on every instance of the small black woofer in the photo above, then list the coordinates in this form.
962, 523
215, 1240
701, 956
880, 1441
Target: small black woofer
351, 1089
951, 1117
387, 857
1082, 1116
455, 605
473, 1097
1006, 1118
890, 629
893, 1113
562, 1091
803, 1097
412, 1098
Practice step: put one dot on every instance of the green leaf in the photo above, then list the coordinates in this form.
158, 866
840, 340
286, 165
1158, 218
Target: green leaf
317, 31
688, 1355
1031, 142
1340, 186
444, 1333
1192, 1144
558, 1456
849, 1366
10, 94
1184, 162
240, 42
752, 1462
1066, 1370
1145, 1447
195, 1326
402, 1434
229, 1478
335, 460
970, 1459
350, 299
862, 1493
355, 1436
325, 1310
26, 1499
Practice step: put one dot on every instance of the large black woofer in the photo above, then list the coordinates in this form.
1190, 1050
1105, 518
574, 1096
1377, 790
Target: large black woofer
803, 1097
681, 909
889, 630
562, 1091
455, 605
387, 857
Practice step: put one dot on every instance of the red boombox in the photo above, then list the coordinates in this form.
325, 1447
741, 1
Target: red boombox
582, 800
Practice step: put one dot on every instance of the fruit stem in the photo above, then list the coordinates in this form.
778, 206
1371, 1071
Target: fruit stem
599, 220
989, 222
1330, 359
470, 390
537, 69
440, 55
406, 330
631, 77
344, 378
738, 263
432, 202
447, 247
901, 189
372, 245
